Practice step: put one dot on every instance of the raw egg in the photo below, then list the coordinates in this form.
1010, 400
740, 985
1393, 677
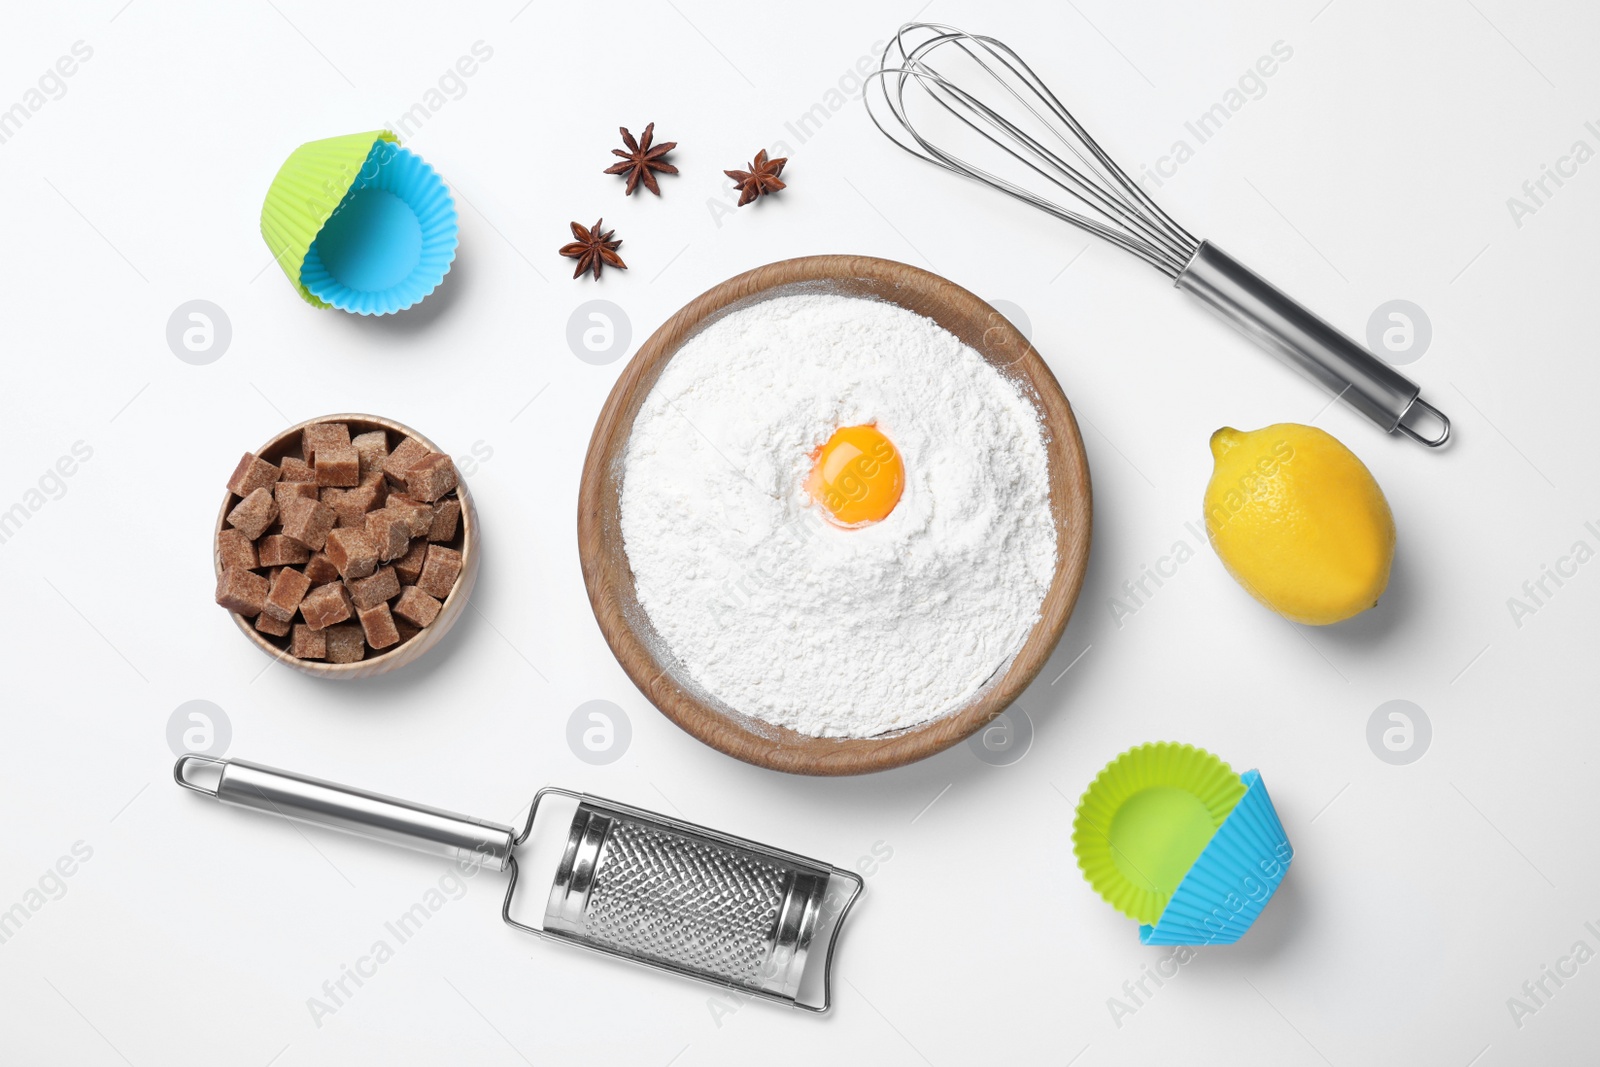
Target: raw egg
857, 476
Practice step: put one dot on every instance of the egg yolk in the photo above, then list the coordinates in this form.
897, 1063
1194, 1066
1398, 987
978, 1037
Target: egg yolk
857, 476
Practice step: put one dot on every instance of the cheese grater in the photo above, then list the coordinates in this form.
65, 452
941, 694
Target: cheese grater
630, 883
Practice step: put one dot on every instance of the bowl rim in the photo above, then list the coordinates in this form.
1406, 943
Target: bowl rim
609, 581
389, 659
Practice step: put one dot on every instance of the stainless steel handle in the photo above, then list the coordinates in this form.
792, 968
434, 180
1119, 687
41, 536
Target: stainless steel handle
355, 811
1287, 329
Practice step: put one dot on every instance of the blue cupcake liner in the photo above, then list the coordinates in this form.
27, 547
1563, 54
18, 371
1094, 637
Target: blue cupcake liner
1232, 880
391, 240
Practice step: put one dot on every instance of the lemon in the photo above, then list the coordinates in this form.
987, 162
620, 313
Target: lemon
1299, 521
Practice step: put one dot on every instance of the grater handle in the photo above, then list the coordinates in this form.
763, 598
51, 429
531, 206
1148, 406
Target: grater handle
355, 811
1288, 330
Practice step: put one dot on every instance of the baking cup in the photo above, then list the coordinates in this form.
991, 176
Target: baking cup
1233, 879
1146, 818
360, 224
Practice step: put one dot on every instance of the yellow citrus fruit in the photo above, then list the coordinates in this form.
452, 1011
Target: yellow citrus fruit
1299, 522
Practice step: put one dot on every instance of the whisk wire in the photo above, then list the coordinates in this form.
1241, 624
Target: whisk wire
1119, 211
1183, 237
1101, 165
956, 164
1075, 183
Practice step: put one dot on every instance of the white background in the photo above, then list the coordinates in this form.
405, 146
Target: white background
1376, 165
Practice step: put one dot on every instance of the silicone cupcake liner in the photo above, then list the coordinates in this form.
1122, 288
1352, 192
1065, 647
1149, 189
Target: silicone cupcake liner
357, 222
307, 190
1233, 879
1145, 819
390, 242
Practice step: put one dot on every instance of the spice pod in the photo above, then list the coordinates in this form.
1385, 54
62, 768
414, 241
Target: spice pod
1237, 873
1146, 818
361, 224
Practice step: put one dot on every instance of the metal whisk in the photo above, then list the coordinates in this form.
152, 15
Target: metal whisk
983, 91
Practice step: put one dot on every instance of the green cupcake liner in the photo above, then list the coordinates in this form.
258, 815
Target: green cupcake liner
308, 188
1146, 818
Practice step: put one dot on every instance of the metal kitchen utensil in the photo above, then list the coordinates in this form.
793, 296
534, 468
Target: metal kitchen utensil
631, 883
997, 97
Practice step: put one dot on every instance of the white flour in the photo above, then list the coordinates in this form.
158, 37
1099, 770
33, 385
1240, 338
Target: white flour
785, 617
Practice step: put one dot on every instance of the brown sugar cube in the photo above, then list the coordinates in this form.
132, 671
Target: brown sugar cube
390, 532
377, 482
378, 625
308, 521
366, 498
416, 607
288, 589
276, 550
373, 448
269, 625
431, 478
351, 505
320, 569
297, 470
440, 571
353, 552
326, 605
419, 516
405, 630
252, 515
251, 474
306, 643
334, 498
283, 492
242, 592
406, 454
445, 515
234, 549
382, 586
409, 566
323, 435
344, 644
338, 466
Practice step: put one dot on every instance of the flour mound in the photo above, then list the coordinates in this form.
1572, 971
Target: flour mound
787, 618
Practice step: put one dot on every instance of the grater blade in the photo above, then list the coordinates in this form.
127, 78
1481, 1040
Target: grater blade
682, 898
656, 894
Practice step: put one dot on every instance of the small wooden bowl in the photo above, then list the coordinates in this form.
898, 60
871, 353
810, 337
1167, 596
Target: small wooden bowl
465, 542
609, 579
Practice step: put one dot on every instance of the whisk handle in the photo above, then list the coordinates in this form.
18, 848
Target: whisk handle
1289, 330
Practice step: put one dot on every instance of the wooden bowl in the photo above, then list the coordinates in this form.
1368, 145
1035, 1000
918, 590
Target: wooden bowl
606, 573
465, 542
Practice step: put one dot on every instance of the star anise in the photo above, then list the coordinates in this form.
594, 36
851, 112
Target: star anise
640, 160
760, 179
593, 249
